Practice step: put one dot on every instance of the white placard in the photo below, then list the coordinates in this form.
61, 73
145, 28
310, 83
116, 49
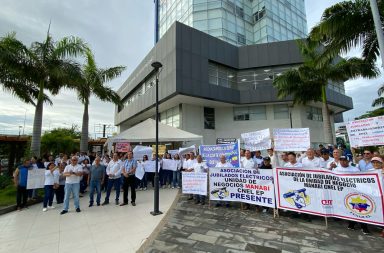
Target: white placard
169, 164
140, 151
259, 140
173, 152
187, 150
291, 139
366, 132
195, 183
139, 173
150, 166
36, 178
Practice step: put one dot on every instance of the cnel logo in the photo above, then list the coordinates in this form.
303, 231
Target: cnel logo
326, 202
360, 205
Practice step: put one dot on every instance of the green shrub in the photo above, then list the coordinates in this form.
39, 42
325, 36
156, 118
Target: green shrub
5, 180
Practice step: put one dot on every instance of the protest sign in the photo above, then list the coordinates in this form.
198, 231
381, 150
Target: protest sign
150, 166
242, 185
36, 178
291, 139
173, 152
139, 173
259, 140
123, 147
354, 196
169, 164
140, 151
194, 183
366, 132
211, 154
187, 150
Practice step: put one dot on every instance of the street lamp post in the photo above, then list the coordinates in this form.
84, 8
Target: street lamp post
156, 66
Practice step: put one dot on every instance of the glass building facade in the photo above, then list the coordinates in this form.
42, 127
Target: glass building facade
239, 22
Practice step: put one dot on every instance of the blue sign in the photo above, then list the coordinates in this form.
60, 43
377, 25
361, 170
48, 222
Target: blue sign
211, 154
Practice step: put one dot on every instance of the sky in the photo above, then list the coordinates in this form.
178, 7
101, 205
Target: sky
120, 32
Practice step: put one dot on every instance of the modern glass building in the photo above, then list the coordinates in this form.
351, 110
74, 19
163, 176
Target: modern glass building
239, 22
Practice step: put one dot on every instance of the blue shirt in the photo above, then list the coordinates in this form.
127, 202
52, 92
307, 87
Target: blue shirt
129, 164
364, 166
23, 176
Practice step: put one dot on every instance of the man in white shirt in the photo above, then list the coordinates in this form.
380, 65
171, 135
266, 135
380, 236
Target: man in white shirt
73, 173
336, 156
344, 166
292, 162
310, 161
258, 158
190, 163
200, 167
248, 162
113, 171
223, 163
325, 158
273, 157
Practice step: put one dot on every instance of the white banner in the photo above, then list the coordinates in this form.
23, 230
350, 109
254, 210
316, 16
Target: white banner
242, 185
173, 152
150, 166
169, 164
366, 132
259, 140
140, 151
354, 196
291, 139
187, 150
36, 178
195, 183
139, 173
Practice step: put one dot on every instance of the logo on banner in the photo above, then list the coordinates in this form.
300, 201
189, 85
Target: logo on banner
220, 193
297, 198
359, 204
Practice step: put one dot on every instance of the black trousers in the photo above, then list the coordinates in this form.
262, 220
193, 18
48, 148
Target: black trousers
60, 194
129, 181
21, 196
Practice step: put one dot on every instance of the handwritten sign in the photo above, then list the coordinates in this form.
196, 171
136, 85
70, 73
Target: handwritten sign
195, 183
259, 140
291, 139
366, 132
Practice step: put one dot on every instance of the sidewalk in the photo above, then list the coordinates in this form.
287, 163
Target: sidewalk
196, 228
105, 229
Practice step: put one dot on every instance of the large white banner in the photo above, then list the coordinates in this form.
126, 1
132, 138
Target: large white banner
169, 164
366, 132
259, 140
352, 196
36, 178
291, 139
140, 151
242, 185
195, 183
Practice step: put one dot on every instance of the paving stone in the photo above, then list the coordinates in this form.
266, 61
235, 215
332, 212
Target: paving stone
208, 247
220, 234
203, 238
300, 241
314, 250
231, 243
261, 249
281, 245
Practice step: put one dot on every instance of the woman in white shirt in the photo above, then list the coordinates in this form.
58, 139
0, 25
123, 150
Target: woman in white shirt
51, 178
176, 177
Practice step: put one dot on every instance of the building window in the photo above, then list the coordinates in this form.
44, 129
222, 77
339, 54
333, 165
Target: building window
281, 111
209, 118
221, 75
171, 117
314, 113
250, 113
241, 39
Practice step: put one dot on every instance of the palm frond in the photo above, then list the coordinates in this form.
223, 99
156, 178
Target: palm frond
378, 102
70, 47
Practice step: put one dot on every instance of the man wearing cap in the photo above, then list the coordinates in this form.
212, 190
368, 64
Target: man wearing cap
266, 163
325, 158
365, 163
310, 161
377, 163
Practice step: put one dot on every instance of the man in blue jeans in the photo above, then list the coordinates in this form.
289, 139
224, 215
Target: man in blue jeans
96, 177
73, 173
113, 171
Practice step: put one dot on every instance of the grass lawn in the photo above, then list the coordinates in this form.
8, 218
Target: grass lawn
8, 195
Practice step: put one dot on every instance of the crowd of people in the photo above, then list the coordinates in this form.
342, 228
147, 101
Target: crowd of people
73, 175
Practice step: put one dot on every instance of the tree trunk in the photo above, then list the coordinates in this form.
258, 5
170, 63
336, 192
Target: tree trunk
328, 138
37, 123
84, 130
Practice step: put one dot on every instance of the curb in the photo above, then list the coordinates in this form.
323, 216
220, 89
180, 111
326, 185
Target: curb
148, 241
8, 209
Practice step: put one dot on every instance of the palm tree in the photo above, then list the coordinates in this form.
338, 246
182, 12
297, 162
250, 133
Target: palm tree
309, 81
93, 83
380, 100
347, 25
44, 66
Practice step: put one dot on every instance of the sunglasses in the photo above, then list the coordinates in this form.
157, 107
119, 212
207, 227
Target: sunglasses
367, 153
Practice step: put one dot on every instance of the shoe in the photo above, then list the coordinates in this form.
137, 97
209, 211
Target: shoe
45, 209
382, 233
63, 212
98, 204
51, 207
190, 198
116, 202
265, 210
19, 209
227, 205
133, 203
178, 187
90, 205
197, 202
218, 205
365, 231
202, 203
123, 204
173, 187
105, 203
78, 210
351, 227
145, 188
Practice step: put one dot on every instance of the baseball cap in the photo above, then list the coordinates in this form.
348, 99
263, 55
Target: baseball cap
343, 157
324, 151
266, 158
378, 159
